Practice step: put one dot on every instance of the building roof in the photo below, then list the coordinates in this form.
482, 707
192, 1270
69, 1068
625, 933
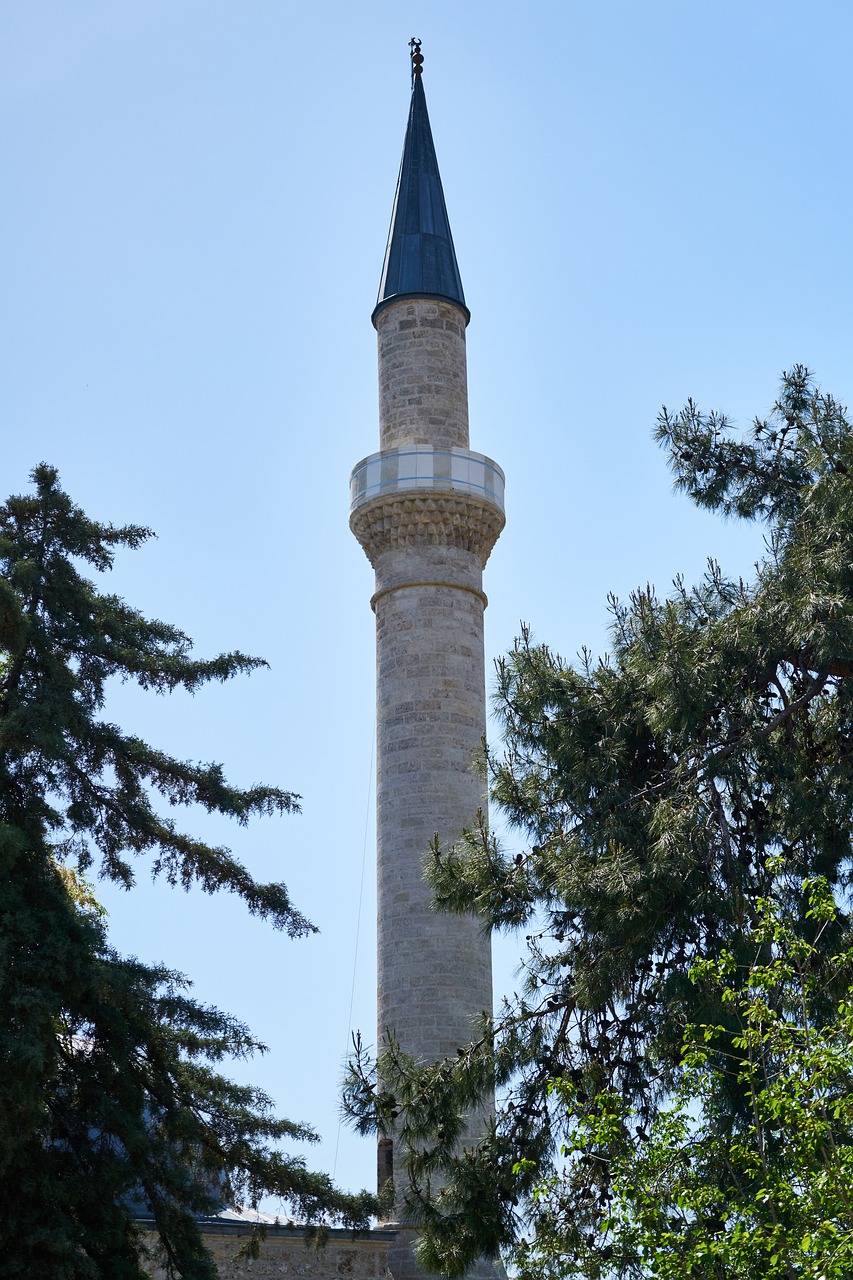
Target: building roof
420, 260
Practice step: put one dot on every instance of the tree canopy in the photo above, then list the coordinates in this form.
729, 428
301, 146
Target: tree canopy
765, 1200
111, 1101
661, 793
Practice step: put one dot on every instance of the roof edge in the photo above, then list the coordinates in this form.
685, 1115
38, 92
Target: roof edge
384, 303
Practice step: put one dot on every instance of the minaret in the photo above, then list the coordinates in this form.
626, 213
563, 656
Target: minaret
427, 512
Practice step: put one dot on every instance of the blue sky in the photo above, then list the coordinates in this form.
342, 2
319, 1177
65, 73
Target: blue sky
649, 202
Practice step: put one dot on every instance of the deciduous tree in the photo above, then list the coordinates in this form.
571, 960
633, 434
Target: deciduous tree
767, 1199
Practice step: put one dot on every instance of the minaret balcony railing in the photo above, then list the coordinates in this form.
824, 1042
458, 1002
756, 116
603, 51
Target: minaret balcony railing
423, 467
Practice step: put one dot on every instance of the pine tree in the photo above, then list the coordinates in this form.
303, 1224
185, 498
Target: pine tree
110, 1098
662, 792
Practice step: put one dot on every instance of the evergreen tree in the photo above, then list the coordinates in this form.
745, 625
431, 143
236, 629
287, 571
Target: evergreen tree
110, 1098
662, 792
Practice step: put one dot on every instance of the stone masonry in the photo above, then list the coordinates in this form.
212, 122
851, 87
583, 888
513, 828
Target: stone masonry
427, 511
286, 1253
428, 543
423, 382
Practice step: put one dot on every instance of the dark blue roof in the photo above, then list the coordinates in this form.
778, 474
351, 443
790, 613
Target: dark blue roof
420, 259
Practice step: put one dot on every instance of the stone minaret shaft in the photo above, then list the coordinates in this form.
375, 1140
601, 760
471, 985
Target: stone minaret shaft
427, 511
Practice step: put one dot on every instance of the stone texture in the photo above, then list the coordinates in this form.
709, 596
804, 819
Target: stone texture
423, 386
415, 519
286, 1255
428, 550
434, 970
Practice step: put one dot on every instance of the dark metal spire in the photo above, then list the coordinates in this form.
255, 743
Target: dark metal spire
420, 260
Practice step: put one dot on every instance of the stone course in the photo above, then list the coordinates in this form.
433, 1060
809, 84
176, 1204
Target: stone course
423, 379
285, 1254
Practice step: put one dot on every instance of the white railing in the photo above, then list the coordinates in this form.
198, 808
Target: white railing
422, 467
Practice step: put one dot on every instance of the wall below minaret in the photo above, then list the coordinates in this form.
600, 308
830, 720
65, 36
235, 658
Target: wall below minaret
285, 1252
423, 387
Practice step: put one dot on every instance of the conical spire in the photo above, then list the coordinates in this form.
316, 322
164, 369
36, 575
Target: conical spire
420, 259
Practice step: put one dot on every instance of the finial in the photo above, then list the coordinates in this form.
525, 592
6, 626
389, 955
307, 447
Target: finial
417, 58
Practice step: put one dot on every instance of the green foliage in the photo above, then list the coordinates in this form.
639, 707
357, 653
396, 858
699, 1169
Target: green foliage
110, 1098
662, 792
768, 1197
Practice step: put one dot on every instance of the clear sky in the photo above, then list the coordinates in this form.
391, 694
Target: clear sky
648, 202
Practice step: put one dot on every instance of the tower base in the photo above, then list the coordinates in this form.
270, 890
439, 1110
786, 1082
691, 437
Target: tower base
403, 1265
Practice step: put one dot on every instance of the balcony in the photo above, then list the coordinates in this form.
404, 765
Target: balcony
421, 467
